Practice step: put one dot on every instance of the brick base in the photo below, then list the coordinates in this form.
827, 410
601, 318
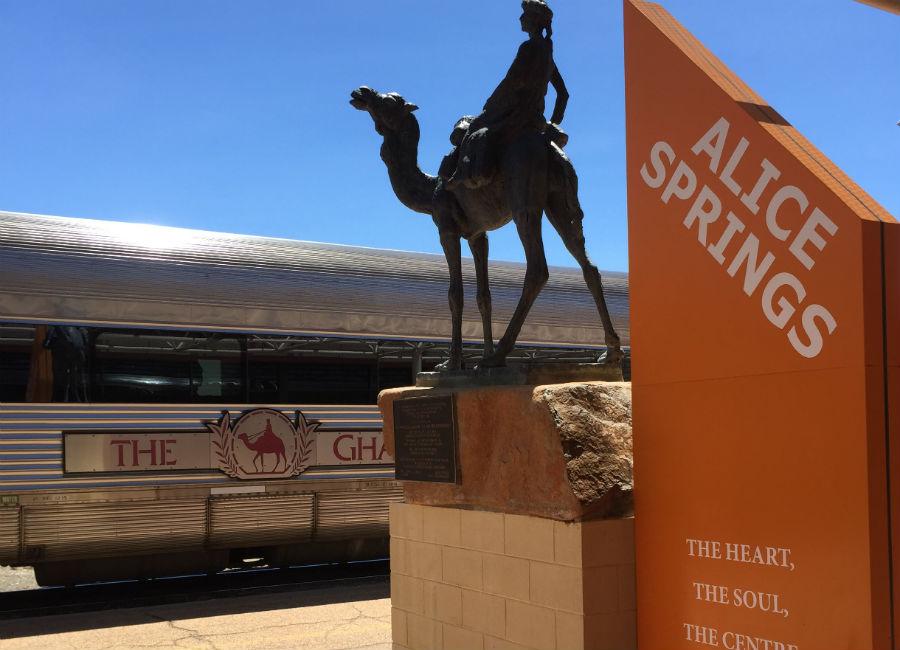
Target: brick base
480, 580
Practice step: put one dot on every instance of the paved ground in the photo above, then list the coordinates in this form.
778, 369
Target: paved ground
331, 617
16, 578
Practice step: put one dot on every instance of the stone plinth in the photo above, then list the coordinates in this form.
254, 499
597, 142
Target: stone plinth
475, 579
535, 547
561, 451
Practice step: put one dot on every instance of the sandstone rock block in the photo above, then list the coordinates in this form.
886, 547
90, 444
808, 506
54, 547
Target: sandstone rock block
562, 451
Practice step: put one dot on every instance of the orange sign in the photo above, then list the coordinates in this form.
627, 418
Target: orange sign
765, 312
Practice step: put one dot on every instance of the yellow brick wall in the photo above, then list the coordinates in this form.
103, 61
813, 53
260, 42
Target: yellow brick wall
486, 580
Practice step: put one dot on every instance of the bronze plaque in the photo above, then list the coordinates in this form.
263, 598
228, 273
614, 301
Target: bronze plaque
425, 439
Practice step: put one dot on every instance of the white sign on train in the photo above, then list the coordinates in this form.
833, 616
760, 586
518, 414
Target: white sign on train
130, 451
351, 448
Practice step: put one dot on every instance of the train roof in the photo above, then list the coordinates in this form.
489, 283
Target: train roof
86, 271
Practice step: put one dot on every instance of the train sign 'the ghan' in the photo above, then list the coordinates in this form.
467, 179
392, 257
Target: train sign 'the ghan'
260, 444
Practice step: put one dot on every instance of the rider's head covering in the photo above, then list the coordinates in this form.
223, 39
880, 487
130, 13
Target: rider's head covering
539, 12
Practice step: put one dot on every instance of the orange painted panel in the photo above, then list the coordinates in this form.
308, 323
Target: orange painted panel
764, 309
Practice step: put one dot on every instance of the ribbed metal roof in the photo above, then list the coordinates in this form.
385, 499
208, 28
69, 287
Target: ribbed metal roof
91, 271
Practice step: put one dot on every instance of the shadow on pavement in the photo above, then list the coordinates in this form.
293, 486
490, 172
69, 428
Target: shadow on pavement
133, 612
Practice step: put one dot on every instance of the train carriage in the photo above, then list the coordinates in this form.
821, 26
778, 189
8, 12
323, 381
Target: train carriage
176, 400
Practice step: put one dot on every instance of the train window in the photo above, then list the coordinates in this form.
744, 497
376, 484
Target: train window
15, 360
332, 381
394, 376
43, 363
17, 349
166, 366
210, 378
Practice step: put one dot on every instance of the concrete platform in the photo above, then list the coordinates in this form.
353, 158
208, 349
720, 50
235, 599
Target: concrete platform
330, 617
17, 578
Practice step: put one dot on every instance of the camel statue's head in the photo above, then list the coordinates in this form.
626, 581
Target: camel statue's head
390, 112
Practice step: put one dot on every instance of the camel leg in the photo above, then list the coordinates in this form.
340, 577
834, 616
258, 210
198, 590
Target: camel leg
528, 223
479, 247
452, 251
447, 216
567, 222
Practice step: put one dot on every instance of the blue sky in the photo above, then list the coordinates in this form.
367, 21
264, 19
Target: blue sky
233, 115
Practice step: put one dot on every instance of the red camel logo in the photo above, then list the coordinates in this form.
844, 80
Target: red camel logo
265, 442
291, 445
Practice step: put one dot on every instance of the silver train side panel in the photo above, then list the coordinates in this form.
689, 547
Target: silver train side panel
9, 534
358, 515
47, 515
64, 531
266, 520
58, 269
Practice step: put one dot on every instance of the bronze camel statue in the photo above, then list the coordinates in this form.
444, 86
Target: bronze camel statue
534, 177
